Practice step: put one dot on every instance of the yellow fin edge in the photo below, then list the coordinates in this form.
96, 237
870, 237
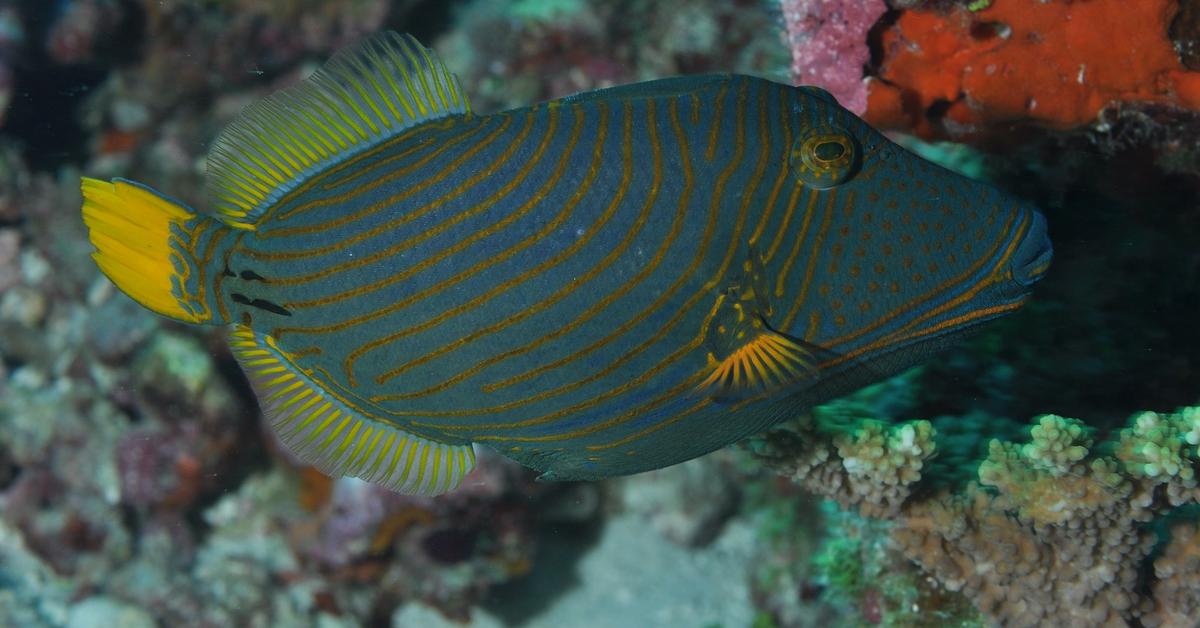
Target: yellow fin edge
322, 430
131, 228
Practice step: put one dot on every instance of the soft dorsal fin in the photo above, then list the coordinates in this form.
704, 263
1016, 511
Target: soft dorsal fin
365, 94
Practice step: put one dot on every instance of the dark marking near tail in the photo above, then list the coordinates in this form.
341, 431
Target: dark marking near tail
250, 275
260, 304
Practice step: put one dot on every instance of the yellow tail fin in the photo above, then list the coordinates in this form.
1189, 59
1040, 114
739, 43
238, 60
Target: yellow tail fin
138, 235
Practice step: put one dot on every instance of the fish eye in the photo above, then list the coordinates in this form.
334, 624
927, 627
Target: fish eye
825, 158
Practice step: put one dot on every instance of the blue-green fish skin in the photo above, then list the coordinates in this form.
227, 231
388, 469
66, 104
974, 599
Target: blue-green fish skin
563, 282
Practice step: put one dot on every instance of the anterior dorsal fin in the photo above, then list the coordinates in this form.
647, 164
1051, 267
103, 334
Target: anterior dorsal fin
327, 433
364, 95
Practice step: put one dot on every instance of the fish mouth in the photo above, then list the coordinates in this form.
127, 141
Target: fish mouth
1032, 257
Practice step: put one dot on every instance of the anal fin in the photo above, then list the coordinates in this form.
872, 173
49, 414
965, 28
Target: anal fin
328, 433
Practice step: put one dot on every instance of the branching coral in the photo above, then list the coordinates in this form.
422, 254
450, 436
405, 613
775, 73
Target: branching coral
861, 463
1177, 570
1053, 530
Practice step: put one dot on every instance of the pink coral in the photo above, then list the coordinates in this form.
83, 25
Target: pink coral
828, 39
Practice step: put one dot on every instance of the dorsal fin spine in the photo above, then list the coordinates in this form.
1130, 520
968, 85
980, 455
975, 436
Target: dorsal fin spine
279, 157
437, 84
383, 119
397, 93
322, 140
243, 188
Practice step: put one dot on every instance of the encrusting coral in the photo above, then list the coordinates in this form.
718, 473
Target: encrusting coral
1052, 530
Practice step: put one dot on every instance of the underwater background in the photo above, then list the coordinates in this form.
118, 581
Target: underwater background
1042, 472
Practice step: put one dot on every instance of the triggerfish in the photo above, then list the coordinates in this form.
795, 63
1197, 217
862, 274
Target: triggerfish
598, 285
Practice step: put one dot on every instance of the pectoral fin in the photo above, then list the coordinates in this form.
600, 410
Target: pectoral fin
746, 356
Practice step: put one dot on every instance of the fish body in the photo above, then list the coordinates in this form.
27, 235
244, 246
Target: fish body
597, 285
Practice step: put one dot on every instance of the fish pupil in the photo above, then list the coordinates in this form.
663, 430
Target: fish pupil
829, 151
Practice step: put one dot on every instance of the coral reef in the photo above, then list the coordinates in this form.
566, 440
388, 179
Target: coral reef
872, 467
1054, 529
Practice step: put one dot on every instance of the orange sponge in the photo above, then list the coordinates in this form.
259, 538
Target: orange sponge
1054, 63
